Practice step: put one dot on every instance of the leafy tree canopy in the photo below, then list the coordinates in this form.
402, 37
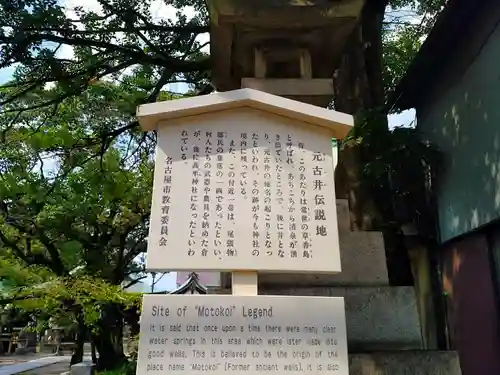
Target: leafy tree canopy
125, 37
74, 211
60, 205
407, 23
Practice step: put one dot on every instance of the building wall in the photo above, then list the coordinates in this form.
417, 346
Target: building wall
464, 122
473, 318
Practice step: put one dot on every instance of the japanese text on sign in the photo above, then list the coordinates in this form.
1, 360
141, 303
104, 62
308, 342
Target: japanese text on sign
232, 195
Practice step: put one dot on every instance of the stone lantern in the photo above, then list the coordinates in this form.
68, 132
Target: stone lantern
288, 48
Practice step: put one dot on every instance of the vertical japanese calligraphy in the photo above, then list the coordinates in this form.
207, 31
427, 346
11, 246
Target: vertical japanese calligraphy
304, 210
268, 241
207, 167
292, 225
193, 201
319, 187
219, 199
165, 201
255, 198
241, 194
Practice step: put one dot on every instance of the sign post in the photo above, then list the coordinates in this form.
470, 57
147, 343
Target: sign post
244, 183
244, 283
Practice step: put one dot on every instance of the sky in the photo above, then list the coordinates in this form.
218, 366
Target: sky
161, 11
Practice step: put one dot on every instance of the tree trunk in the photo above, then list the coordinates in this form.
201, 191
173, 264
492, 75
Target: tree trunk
93, 351
109, 338
359, 87
81, 333
359, 90
358, 80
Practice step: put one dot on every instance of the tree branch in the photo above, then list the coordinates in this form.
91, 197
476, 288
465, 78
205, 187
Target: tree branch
187, 29
130, 50
133, 282
15, 248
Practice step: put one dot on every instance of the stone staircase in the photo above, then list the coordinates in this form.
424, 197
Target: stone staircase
383, 326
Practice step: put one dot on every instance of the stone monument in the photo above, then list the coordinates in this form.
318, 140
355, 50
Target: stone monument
292, 48
244, 183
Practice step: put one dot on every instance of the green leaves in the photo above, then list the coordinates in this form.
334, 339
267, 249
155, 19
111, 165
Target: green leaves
61, 297
74, 207
406, 25
67, 201
15, 274
398, 169
76, 48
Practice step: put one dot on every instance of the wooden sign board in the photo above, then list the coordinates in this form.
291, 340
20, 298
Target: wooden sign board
242, 184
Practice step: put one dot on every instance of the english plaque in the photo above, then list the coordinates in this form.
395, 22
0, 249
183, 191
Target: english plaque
195, 335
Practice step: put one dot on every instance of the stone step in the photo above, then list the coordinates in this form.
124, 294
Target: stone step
377, 318
362, 257
405, 363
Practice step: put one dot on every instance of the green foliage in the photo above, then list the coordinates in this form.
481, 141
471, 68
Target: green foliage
62, 298
126, 369
399, 51
123, 36
13, 273
394, 151
398, 167
124, 42
406, 24
73, 212
80, 210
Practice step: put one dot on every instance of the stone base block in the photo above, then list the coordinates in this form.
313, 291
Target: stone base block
405, 363
377, 318
362, 257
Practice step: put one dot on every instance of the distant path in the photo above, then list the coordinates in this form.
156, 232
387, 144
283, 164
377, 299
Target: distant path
55, 369
42, 366
39, 363
6, 360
